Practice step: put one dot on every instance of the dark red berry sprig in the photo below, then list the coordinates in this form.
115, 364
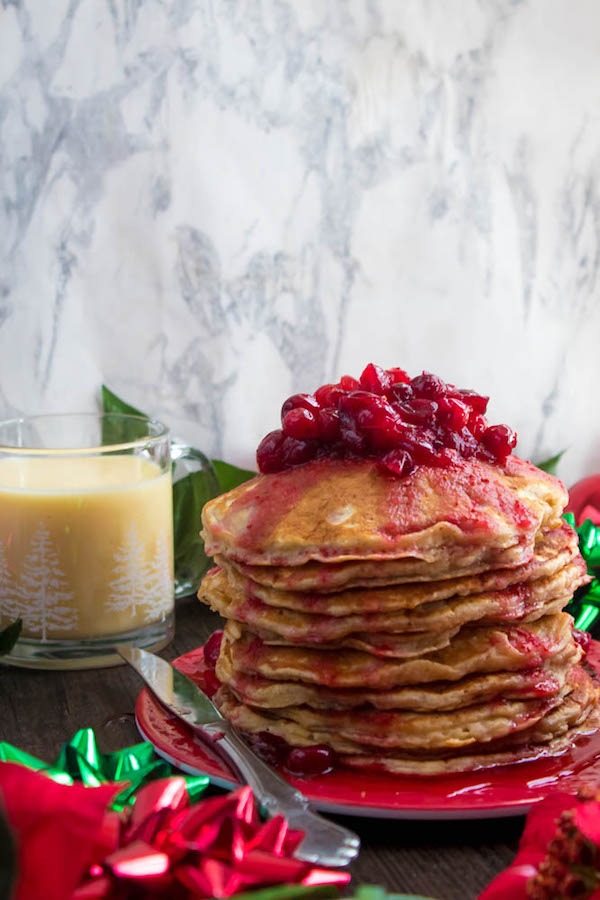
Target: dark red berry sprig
385, 415
571, 868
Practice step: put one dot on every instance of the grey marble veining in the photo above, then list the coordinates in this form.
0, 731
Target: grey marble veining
210, 205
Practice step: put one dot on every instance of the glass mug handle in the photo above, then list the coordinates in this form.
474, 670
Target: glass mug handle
194, 483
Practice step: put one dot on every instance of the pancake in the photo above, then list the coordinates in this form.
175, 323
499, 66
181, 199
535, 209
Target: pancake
408, 731
493, 648
254, 690
234, 597
458, 520
553, 548
576, 714
393, 646
586, 721
426, 731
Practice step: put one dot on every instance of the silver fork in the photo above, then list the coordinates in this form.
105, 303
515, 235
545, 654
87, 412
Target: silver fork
324, 842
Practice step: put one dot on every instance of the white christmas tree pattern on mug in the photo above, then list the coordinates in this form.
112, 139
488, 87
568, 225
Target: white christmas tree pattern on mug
40, 594
141, 584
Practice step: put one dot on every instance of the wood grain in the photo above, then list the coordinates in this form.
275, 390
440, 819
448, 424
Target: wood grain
443, 860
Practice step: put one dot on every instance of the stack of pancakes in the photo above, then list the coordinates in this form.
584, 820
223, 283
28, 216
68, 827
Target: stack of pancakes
414, 624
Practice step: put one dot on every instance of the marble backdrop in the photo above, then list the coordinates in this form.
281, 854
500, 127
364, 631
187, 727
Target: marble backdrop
210, 204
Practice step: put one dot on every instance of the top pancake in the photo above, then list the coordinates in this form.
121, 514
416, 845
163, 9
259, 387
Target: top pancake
466, 518
553, 547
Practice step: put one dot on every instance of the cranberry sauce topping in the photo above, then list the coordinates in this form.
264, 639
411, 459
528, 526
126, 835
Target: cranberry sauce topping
318, 759
387, 416
583, 638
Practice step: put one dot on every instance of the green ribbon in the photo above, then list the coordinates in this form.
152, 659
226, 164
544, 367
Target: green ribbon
585, 605
80, 760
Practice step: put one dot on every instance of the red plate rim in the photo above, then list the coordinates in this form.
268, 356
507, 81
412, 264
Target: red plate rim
485, 793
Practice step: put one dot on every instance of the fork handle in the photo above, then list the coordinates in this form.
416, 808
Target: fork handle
324, 840
270, 789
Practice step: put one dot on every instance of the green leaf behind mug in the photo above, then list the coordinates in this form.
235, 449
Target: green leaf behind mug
9, 636
230, 476
114, 430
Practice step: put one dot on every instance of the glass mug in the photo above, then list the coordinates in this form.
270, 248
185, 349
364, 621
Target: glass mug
86, 536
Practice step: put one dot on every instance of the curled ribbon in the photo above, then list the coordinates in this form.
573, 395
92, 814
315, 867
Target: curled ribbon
585, 605
80, 761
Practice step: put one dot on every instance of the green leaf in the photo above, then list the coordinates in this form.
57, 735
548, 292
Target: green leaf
9, 636
230, 476
190, 494
292, 892
549, 465
114, 430
113, 404
369, 892
8, 859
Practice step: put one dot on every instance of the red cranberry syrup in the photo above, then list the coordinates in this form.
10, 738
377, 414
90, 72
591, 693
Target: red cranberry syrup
387, 416
300, 761
583, 638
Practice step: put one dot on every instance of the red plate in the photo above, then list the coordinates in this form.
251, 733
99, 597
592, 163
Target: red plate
486, 793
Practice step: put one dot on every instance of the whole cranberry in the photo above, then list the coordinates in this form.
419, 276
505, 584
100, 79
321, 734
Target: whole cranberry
400, 462
374, 379
397, 376
301, 424
371, 416
272, 748
299, 401
419, 411
316, 760
477, 424
400, 393
212, 648
269, 455
461, 440
329, 425
295, 452
500, 440
453, 412
423, 451
327, 395
429, 385
348, 383
351, 435
477, 402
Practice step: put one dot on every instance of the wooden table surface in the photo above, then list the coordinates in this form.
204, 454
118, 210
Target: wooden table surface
443, 860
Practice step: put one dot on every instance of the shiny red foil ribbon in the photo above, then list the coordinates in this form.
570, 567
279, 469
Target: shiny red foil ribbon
71, 846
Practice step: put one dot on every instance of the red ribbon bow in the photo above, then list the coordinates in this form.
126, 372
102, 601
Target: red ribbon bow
70, 846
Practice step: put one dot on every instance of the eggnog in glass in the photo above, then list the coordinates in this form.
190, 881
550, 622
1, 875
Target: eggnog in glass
86, 537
